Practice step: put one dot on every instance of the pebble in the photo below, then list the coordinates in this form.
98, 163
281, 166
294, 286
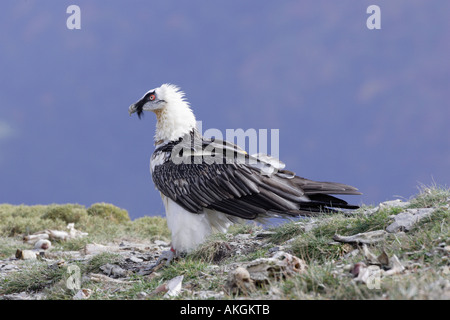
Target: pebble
404, 221
135, 259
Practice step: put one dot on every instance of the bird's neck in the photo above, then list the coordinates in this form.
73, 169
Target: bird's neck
173, 122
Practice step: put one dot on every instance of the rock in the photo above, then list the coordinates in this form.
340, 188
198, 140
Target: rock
405, 220
94, 248
113, 271
352, 253
58, 264
161, 243
208, 294
362, 238
8, 267
82, 294
239, 280
282, 264
23, 296
347, 268
242, 236
394, 203
174, 287
135, 259
383, 259
97, 277
26, 254
396, 266
370, 211
274, 249
370, 257
264, 234
141, 295
370, 275
307, 226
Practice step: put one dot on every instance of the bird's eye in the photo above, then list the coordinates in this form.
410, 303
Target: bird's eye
152, 97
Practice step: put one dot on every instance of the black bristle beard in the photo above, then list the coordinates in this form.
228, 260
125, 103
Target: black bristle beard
140, 112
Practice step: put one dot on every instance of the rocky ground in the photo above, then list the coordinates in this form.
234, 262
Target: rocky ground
397, 250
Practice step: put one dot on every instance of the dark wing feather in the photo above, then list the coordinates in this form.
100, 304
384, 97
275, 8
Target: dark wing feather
242, 188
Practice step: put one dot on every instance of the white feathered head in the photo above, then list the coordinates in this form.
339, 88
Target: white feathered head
174, 115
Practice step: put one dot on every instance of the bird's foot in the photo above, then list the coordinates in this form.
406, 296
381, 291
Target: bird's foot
167, 255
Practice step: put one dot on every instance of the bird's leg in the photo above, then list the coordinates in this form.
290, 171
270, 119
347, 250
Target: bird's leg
167, 255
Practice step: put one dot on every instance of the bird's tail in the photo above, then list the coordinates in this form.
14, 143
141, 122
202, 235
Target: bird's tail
320, 199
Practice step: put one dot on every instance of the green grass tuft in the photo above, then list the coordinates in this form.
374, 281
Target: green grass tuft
67, 213
108, 212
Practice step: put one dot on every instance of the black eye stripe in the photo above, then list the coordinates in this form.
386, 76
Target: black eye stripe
147, 96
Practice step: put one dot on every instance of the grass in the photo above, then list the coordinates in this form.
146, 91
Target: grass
102, 225
421, 251
34, 276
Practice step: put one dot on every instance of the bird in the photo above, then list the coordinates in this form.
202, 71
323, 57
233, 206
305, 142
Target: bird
207, 184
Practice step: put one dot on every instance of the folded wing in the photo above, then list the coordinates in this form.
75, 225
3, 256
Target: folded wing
219, 175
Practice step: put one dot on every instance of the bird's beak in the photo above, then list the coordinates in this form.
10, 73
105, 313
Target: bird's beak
132, 109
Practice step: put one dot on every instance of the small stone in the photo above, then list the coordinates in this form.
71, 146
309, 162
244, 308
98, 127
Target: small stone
347, 268
204, 295
161, 243
243, 236
397, 266
394, 203
141, 295
135, 259
383, 259
94, 248
273, 249
352, 253
26, 254
239, 280
264, 234
370, 257
404, 221
8, 267
82, 294
112, 270
174, 287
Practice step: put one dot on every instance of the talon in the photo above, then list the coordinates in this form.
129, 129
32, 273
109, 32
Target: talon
168, 255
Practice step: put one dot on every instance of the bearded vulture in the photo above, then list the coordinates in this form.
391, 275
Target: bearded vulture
207, 184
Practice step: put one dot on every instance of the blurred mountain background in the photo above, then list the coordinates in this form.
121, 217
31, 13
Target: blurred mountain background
364, 107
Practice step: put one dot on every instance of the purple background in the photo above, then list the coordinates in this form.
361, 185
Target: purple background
365, 107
